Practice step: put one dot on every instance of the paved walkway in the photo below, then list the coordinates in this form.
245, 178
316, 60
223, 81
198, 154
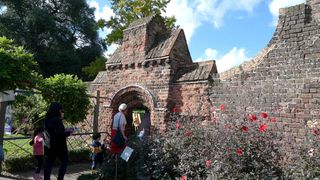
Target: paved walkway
73, 172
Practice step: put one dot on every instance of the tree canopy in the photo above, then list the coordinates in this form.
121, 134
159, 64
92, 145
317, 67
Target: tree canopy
125, 12
17, 66
95, 67
71, 92
62, 34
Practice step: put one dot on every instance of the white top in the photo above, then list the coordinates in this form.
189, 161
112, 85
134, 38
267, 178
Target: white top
119, 116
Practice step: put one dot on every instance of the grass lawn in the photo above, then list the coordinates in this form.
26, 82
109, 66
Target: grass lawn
16, 148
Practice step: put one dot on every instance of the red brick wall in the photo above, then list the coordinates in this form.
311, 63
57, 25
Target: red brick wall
284, 81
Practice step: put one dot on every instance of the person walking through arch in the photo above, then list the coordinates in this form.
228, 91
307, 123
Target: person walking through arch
57, 147
119, 121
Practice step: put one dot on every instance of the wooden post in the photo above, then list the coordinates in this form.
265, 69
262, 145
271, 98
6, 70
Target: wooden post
3, 107
96, 113
116, 173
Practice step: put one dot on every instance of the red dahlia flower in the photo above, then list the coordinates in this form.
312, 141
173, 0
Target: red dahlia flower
178, 125
252, 117
187, 133
263, 127
273, 119
239, 151
264, 115
244, 128
208, 163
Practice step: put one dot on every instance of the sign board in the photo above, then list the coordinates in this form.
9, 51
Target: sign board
7, 96
125, 155
8, 121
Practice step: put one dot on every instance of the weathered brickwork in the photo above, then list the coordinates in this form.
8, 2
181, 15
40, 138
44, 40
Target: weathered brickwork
284, 79
153, 68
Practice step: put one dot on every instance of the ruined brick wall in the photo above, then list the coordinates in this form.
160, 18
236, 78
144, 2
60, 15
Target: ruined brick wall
191, 99
284, 80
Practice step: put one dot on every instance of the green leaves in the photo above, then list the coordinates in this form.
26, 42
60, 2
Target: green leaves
17, 66
128, 11
70, 92
61, 34
94, 67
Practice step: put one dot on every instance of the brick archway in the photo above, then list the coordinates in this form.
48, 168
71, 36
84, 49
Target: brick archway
136, 97
133, 95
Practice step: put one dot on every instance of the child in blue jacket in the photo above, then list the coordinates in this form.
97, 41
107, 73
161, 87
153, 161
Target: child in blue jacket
97, 151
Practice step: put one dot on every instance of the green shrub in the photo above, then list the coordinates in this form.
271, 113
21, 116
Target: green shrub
17, 164
307, 164
126, 170
79, 155
220, 148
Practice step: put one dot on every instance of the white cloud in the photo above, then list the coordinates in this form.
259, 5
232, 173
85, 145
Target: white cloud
110, 50
234, 57
275, 5
3, 9
185, 15
190, 14
105, 14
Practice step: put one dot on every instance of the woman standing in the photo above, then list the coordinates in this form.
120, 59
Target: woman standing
119, 120
58, 140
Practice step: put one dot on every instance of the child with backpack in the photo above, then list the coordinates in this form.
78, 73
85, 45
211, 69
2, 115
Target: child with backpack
38, 151
97, 151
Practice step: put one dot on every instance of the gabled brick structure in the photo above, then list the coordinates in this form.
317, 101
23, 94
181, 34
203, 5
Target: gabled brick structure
153, 70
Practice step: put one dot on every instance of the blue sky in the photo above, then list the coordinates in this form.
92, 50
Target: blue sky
228, 31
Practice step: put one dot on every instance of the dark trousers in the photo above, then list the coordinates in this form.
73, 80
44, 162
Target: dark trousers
51, 156
95, 163
39, 159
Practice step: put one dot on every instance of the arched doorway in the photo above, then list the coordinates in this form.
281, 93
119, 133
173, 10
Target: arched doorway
140, 104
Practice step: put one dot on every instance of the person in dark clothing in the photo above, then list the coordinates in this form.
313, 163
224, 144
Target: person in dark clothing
97, 151
58, 140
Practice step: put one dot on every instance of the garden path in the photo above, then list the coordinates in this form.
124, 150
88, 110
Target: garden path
73, 172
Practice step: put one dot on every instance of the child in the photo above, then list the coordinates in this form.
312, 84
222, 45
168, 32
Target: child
38, 152
97, 151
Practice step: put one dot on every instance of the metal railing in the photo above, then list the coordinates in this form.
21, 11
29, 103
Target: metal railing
19, 146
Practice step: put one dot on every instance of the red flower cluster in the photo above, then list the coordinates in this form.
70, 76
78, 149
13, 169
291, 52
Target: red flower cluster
252, 117
187, 133
208, 163
273, 119
263, 127
239, 151
222, 107
178, 125
264, 115
244, 128
174, 110
315, 131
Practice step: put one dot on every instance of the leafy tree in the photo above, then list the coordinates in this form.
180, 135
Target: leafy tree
128, 11
17, 66
94, 67
61, 34
70, 92
29, 110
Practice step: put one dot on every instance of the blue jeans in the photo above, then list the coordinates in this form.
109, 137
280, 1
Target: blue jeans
51, 156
